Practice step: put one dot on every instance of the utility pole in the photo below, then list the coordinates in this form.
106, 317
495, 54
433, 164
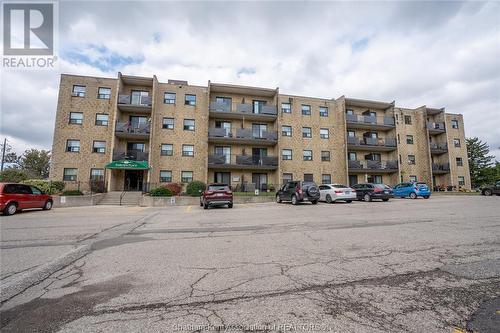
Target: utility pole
3, 152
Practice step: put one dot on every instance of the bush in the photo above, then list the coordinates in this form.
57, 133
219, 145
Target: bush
195, 188
174, 187
72, 192
47, 186
13, 175
160, 192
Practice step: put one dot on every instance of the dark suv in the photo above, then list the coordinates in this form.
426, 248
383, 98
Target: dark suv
368, 192
217, 194
298, 191
491, 189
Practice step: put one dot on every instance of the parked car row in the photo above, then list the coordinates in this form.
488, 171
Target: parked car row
16, 197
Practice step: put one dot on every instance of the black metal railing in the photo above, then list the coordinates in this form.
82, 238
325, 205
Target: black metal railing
242, 133
127, 127
243, 160
134, 155
380, 142
374, 165
243, 108
127, 100
371, 120
438, 146
436, 126
441, 167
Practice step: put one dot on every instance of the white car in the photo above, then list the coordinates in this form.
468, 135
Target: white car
336, 192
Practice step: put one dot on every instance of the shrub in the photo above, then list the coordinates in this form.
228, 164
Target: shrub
13, 175
195, 188
47, 186
72, 192
160, 192
174, 187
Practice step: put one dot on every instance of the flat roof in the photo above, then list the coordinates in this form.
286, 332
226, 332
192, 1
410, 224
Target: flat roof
368, 103
136, 80
242, 90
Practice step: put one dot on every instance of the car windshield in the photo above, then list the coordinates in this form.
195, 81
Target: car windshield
339, 186
218, 188
421, 184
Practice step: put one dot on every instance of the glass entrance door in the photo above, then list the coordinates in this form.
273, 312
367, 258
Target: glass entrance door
222, 177
260, 181
223, 151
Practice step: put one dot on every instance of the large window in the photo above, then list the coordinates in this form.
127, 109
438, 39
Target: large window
104, 93
257, 106
190, 100
324, 133
286, 130
286, 154
306, 110
461, 180
456, 143
78, 91
188, 150
409, 139
323, 111
287, 177
307, 155
186, 176
96, 175
325, 155
326, 178
76, 118
308, 177
167, 149
99, 147
165, 176
101, 119
168, 123
454, 124
69, 174
189, 124
411, 160
258, 130
169, 98
286, 108
459, 161
73, 146
407, 120
306, 132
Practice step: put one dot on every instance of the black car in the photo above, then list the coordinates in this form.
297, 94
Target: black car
368, 192
298, 191
491, 189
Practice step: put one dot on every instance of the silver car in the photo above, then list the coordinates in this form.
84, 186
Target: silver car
336, 192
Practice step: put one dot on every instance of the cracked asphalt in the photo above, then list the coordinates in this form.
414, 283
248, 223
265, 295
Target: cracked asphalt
401, 266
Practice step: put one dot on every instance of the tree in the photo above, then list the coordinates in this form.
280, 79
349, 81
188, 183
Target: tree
13, 175
35, 163
11, 157
479, 160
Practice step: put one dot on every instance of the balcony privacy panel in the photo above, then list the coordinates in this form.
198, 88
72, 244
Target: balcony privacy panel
244, 133
217, 132
220, 107
123, 99
389, 121
245, 108
268, 109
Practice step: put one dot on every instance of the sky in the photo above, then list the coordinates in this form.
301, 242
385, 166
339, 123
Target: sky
439, 54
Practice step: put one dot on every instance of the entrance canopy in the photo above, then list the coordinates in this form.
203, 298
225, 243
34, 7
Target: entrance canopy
128, 165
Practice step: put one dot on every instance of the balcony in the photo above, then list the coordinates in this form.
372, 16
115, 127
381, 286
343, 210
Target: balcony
143, 105
243, 136
243, 162
436, 128
134, 155
225, 111
438, 148
130, 131
371, 144
373, 166
370, 122
440, 169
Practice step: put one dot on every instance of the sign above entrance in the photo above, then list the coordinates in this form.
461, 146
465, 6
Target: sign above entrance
128, 165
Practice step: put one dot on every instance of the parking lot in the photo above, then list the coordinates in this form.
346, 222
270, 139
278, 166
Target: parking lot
398, 266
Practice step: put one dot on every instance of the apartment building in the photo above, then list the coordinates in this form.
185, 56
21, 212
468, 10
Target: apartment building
135, 133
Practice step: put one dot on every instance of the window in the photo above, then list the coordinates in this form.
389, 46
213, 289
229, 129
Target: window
407, 120
101, 119
286, 130
188, 150
286, 154
413, 178
257, 106
104, 93
306, 132
307, 155
306, 110
409, 139
351, 134
308, 177
96, 175
326, 178
456, 143
78, 91
99, 147
351, 156
165, 176
287, 177
35, 190
169, 98
76, 118
460, 162
323, 111
186, 176
325, 155
461, 180
189, 124
258, 130
323, 133
454, 124
73, 146
411, 159
167, 149
190, 100
70, 174
349, 111
286, 108
168, 123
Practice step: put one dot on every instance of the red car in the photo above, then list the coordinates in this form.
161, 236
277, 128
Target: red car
15, 197
217, 194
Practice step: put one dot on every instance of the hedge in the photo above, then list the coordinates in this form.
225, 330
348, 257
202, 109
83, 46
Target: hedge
47, 186
174, 187
195, 188
13, 176
160, 192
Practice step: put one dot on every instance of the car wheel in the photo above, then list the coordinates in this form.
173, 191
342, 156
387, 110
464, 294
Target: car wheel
230, 205
294, 200
386, 199
426, 197
48, 205
205, 205
314, 202
367, 197
11, 209
348, 201
278, 199
329, 198
413, 195
487, 192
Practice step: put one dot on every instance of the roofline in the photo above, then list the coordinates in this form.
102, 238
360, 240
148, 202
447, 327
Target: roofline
309, 97
377, 104
90, 76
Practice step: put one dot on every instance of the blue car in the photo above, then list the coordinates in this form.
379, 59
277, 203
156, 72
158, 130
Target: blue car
412, 190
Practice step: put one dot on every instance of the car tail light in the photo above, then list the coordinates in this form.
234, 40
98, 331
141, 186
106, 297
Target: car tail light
299, 189
338, 191
229, 192
377, 189
209, 192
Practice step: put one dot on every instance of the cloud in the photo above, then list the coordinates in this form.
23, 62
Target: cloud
440, 54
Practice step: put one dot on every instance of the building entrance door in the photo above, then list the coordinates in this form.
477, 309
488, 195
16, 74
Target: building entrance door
133, 180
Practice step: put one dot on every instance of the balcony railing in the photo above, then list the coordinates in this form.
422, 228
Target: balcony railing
370, 120
265, 110
135, 155
438, 148
372, 142
440, 168
243, 161
436, 127
133, 129
127, 99
243, 134
390, 165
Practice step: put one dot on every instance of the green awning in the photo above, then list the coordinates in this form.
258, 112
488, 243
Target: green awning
128, 165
